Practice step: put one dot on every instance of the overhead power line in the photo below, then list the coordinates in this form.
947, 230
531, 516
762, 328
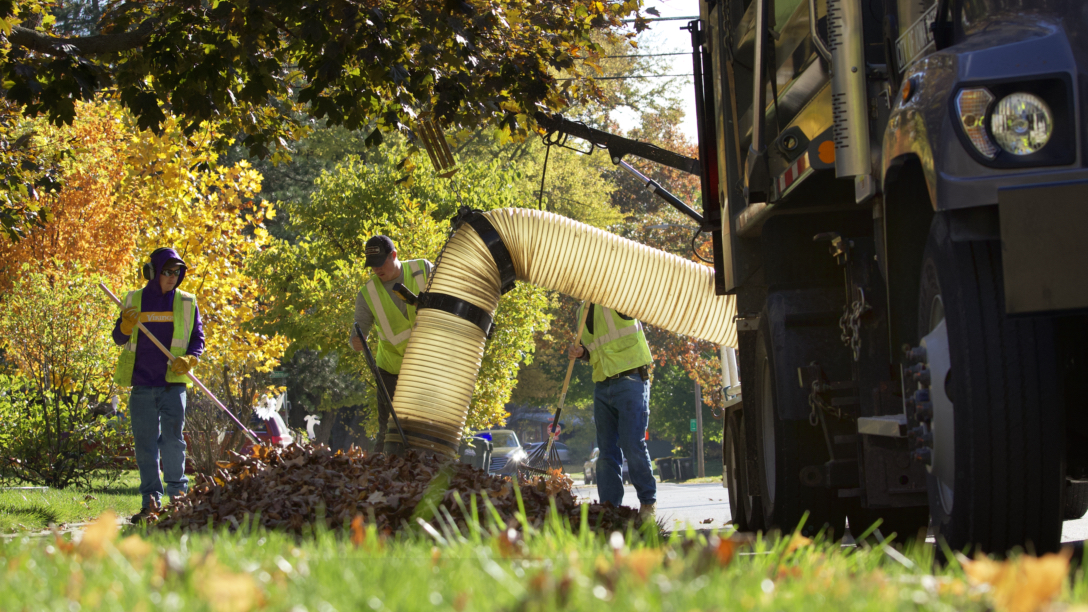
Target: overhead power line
663, 19
634, 76
645, 55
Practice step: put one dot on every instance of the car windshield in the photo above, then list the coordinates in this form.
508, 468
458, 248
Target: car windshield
503, 439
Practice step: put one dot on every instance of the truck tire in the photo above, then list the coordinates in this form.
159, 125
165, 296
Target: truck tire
1076, 499
1003, 392
734, 453
785, 447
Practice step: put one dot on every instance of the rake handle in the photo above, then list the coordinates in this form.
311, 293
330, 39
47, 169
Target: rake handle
170, 356
379, 383
566, 380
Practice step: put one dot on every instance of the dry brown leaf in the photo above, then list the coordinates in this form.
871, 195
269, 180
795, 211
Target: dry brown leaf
98, 535
797, 541
230, 592
134, 548
1021, 584
723, 550
358, 531
642, 563
223, 589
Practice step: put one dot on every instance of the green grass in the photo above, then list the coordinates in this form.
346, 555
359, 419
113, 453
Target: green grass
476, 571
34, 510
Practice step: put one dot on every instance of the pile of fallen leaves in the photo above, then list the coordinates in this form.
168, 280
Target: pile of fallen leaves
289, 489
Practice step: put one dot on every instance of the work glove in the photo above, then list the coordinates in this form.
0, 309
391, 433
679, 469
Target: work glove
129, 316
182, 365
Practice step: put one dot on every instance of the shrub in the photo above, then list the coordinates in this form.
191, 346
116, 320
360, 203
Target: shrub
58, 425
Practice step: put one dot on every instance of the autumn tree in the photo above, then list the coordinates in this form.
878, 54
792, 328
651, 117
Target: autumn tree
310, 284
351, 63
132, 191
90, 221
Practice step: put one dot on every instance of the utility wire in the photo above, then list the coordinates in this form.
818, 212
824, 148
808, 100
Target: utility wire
619, 78
688, 53
663, 19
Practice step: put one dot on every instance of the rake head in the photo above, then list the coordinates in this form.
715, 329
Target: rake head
543, 460
434, 141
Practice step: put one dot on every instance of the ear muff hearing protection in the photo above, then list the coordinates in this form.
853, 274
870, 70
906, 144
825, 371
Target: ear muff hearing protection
149, 269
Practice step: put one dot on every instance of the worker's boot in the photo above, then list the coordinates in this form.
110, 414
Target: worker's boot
647, 512
145, 513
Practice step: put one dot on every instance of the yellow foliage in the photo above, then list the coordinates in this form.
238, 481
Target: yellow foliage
129, 191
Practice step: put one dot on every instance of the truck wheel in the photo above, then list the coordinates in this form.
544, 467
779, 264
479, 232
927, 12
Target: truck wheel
995, 463
734, 451
1076, 499
785, 447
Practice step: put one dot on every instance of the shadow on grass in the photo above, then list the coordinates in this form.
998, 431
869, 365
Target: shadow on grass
119, 488
43, 514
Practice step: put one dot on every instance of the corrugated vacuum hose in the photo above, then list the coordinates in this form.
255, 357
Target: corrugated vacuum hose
481, 261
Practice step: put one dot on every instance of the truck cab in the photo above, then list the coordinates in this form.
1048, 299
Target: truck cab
898, 196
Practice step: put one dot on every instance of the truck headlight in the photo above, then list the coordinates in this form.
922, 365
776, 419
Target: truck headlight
1021, 123
972, 105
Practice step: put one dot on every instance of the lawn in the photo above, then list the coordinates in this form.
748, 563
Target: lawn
436, 568
28, 509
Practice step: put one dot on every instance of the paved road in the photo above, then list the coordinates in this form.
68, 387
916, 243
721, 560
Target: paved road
681, 505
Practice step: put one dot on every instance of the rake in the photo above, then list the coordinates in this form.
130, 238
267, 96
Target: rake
545, 458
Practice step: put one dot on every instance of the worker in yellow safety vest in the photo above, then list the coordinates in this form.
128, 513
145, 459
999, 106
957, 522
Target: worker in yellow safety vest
615, 345
159, 384
377, 304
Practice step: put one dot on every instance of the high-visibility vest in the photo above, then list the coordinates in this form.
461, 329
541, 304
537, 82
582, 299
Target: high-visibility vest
616, 344
184, 311
393, 327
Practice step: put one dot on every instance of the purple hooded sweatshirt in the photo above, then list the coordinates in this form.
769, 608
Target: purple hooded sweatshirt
151, 363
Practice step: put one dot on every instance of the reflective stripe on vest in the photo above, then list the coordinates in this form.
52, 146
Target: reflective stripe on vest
394, 328
613, 333
616, 344
384, 328
183, 307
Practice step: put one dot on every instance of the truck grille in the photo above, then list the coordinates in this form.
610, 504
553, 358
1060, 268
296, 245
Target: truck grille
498, 463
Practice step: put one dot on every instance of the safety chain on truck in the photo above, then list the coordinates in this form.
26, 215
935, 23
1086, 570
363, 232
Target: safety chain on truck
817, 403
850, 325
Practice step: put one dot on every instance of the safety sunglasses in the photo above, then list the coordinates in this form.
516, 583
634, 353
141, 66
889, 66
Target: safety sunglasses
174, 272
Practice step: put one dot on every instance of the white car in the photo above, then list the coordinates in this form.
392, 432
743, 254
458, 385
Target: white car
507, 453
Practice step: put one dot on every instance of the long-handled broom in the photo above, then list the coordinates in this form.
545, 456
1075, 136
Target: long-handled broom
545, 458
245, 430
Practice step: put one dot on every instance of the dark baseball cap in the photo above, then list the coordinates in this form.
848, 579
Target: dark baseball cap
378, 249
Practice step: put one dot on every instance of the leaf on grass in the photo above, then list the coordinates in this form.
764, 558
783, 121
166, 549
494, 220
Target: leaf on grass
1022, 584
723, 550
358, 532
797, 541
642, 563
230, 592
134, 548
98, 535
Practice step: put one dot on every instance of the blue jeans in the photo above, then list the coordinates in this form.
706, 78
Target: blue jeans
158, 417
621, 410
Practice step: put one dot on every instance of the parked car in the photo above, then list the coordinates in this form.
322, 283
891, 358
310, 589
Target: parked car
507, 453
564, 453
590, 468
270, 430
